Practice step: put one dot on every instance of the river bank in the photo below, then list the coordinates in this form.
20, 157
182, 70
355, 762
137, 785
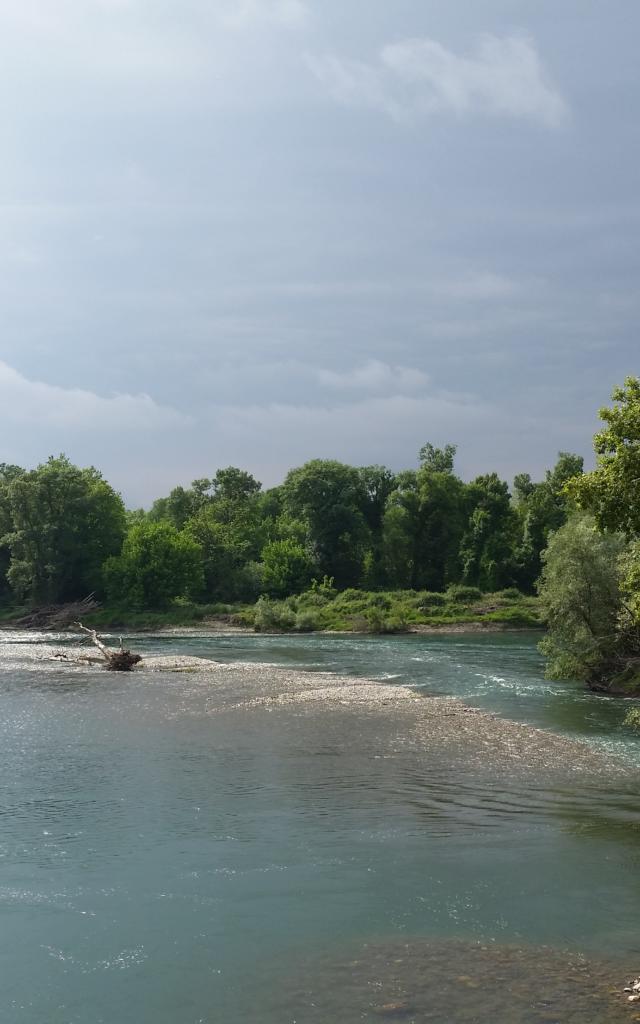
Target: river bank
322, 610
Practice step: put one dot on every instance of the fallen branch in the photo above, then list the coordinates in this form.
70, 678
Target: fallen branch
117, 661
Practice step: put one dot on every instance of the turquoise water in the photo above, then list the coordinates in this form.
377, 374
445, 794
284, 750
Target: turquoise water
163, 864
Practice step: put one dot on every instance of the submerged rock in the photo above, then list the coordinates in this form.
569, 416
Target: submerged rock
502, 984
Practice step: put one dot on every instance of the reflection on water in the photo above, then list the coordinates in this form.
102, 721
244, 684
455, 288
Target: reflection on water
160, 864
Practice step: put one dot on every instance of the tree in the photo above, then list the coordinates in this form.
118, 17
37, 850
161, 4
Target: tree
287, 568
581, 598
157, 565
439, 460
8, 473
378, 483
329, 497
541, 509
178, 507
234, 484
612, 491
229, 537
65, 522
487, 547
423, 524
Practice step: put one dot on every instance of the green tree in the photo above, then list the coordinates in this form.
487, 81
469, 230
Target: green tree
157, 564
542, 508
287, 568
8, 474
65, 522
329, 497
401, 537
439, 460
234, 484
487, 549
580, 592
612, 491
378, 483
424, 522
230, 534
181, 503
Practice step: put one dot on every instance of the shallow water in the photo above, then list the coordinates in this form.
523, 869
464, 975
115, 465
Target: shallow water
160, 862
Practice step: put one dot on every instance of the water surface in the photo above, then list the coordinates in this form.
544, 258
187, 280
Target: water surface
161, 862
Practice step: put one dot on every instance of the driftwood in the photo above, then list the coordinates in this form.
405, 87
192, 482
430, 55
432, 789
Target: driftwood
116, 661
57, 616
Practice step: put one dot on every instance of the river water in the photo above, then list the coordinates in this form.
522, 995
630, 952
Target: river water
161, 863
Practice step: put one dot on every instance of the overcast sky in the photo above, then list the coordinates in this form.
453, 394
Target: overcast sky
255, 232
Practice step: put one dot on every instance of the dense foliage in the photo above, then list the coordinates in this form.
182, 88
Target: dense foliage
64, 533
60, 524
590, 585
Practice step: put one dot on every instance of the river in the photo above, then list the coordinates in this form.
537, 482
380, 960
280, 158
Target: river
164, 863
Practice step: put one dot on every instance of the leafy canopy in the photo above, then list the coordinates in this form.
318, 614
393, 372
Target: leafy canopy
157, 565
65, 522
612, 491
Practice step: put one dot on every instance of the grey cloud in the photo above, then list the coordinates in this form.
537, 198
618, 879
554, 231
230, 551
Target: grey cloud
184, 214
504, 77
376, 376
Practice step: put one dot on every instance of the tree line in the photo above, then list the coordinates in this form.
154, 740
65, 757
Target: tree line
65, 532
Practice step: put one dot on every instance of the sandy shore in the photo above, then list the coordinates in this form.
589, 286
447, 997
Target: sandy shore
411, 719
408, 719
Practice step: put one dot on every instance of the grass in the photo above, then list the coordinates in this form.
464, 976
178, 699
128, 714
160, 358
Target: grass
390, 611
324, 609
181, 613
10, 612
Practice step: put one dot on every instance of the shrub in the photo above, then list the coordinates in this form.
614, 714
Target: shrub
510, 594
632, 718
273, 616
461, 594
375, 621
428, 600
307, 621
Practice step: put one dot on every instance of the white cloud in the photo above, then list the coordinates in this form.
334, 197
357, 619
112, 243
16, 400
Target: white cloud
377, 377
59, 412
356, 84
418, 77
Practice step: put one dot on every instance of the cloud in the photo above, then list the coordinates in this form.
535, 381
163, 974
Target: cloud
60, 411
377, 377
477, 287
374, 428
138, 41
248, 14
420, 77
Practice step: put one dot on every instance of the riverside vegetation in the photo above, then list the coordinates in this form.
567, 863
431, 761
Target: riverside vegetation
361, 548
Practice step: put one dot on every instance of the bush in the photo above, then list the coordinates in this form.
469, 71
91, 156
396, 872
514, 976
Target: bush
428, 600
461, 594
273, 616
510, 594
375, 621
307, 621
313, 599
632, 718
